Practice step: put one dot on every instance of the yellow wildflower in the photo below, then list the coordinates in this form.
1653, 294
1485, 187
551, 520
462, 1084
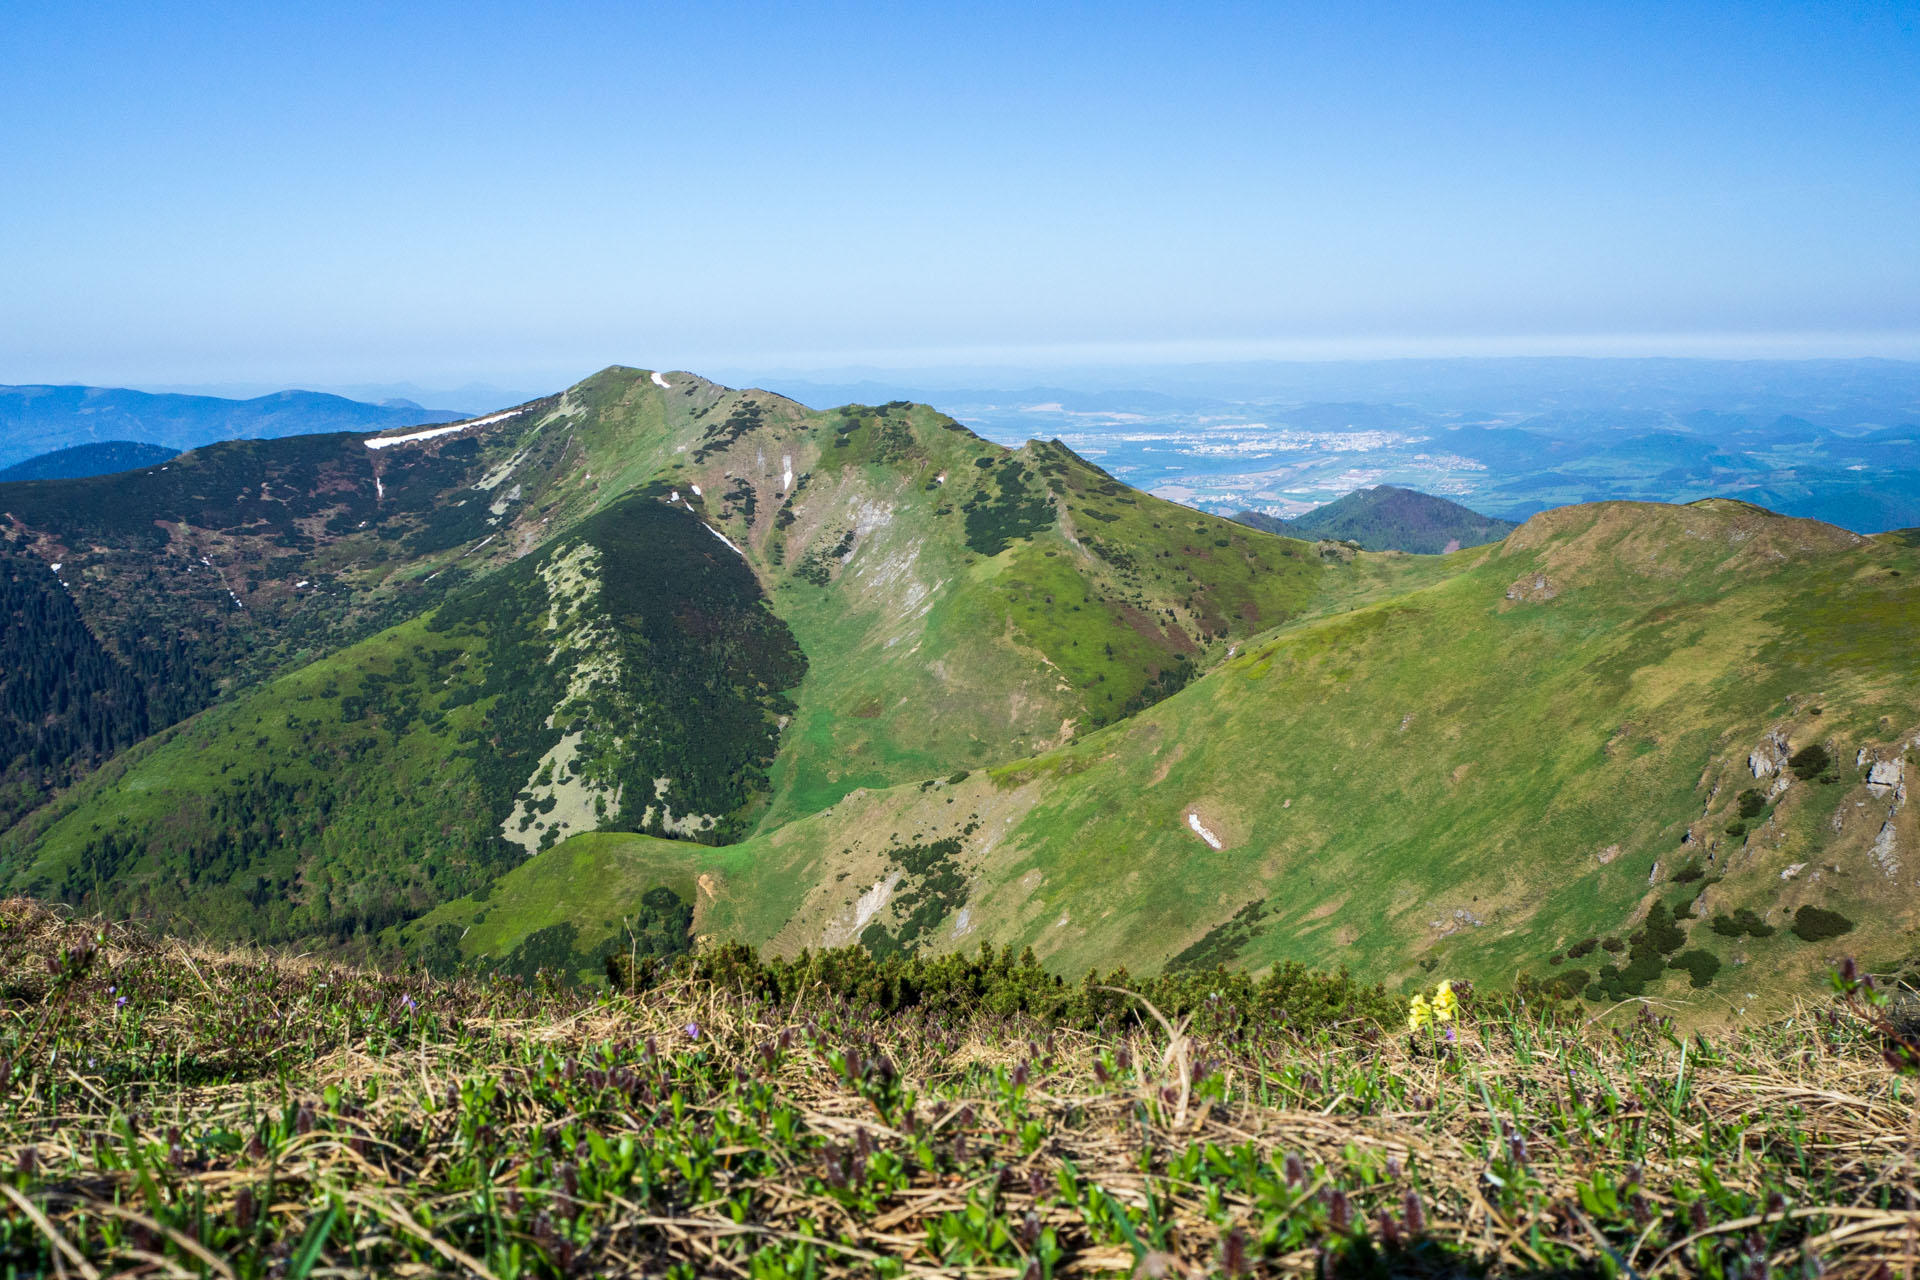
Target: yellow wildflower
1445, 1003
1418, 1014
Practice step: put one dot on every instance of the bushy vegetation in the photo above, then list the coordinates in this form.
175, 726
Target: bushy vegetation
1008, 506
1816, 924
246, 1115
1741, 922
1003, 983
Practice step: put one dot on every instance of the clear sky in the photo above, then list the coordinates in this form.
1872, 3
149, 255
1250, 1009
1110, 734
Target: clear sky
327, 193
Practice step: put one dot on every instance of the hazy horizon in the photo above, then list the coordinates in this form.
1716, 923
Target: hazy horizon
443, 196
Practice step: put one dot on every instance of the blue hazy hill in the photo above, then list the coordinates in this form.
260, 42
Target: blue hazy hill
36, 420
80, 460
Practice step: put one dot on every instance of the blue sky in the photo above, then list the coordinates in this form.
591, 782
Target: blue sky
314, 194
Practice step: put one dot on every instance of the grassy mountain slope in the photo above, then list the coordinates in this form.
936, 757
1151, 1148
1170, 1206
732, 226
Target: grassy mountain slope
959, 603
862, 675
1554, 744
608, 599
1389, 518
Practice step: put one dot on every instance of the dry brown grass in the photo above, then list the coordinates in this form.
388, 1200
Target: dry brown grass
250, 1114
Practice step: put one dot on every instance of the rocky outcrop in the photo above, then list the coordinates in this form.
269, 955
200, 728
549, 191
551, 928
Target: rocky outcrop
1534, 588
1770, 757
1882, 853
1885, 777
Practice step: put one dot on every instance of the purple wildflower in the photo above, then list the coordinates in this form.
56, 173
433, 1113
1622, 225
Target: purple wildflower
693, 1030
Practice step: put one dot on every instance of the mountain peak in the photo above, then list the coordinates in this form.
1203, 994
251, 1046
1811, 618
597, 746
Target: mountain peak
1389, 518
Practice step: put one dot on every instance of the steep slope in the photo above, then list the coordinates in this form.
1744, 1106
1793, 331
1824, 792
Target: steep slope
1388, 518
82, 460
1605, 723
959, 603
950, 603
629, 675
34, 419
229, 563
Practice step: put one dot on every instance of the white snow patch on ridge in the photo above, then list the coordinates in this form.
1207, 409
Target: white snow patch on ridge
724, 538
659, 381
1213, 841
381, 442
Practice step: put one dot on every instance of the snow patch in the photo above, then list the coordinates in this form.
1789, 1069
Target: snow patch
724, 538
434, 433
1213, 841
661, 382
786, 472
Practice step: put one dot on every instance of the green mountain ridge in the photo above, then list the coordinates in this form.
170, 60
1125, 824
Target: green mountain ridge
860, 675
874, 534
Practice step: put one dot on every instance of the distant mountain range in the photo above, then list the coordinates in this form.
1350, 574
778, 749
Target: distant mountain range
36, 420
80, 460
1837, 441
1389, 518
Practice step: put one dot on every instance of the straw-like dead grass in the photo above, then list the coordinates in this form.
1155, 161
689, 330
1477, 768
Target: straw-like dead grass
175, 1110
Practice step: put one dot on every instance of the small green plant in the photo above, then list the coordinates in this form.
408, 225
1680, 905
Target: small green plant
199, 1112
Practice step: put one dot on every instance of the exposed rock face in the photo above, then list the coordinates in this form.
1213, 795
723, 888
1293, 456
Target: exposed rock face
1770, 757
1882, 853
1885, 776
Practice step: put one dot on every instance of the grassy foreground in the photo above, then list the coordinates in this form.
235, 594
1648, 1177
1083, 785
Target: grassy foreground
171, 1110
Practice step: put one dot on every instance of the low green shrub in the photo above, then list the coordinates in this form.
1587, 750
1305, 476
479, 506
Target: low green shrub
1809, 763
1814, 924
1700, 966
1742, 922
1004, 982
